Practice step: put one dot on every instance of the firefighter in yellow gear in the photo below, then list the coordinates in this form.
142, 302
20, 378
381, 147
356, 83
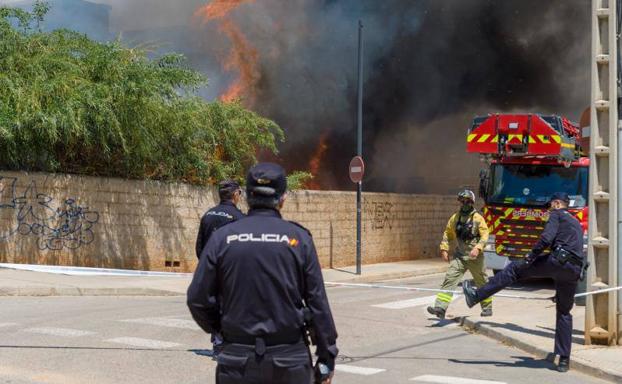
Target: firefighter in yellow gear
466, 229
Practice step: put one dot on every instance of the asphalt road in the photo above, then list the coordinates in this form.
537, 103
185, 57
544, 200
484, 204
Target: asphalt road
384, 337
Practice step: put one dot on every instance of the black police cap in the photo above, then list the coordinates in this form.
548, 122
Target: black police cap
228, 186
563, 196
266, 179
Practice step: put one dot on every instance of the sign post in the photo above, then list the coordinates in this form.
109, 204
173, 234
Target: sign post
359, 149
357, 170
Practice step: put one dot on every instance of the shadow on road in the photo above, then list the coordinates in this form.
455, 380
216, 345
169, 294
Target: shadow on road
520, 362
350, 359
440, 323
344, 270
518, 328
202, 352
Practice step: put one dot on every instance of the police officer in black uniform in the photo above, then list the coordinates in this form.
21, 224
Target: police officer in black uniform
565, 264
259, 283
225, 212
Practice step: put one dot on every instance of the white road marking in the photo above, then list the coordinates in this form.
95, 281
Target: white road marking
452, 380
143, 343
87, 271
7, 324
63, 332
365, 371
401, 304
165, 322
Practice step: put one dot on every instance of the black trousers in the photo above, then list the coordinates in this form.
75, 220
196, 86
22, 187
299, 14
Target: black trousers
279, 364
565, 276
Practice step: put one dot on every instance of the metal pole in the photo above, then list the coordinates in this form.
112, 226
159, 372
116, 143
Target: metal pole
359, 148
618, 63
619, 231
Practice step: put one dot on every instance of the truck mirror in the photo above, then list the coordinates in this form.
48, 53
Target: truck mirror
484, 179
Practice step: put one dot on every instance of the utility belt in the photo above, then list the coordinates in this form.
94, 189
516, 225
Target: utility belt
563, 256
265, 340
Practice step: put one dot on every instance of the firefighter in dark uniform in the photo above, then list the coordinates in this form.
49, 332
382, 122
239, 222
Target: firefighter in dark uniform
225, 212
259, 284
565, 264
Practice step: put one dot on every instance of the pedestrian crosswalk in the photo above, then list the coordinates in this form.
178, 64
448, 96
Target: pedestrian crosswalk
410, 303
63, 332
180, 333
165, 322
452, 380
143, 343
365, 371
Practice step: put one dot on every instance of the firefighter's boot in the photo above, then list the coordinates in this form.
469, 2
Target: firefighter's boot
470, 294
436, 311
486, 312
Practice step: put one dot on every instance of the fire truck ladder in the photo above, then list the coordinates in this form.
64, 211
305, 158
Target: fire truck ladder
602, 318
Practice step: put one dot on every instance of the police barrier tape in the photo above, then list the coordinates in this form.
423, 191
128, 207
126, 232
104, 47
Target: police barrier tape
521, 297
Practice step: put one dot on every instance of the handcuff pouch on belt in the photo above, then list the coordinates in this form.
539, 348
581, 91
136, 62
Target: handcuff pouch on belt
563, 256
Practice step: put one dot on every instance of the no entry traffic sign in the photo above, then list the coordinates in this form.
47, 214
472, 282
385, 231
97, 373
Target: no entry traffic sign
357, 169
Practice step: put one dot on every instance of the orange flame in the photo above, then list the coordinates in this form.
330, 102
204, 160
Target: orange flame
218, 9
316, 161
242, 58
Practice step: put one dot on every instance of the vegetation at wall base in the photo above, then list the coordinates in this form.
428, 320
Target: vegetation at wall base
74, 105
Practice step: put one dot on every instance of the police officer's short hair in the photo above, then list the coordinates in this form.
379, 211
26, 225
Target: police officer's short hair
227, 188
263, 202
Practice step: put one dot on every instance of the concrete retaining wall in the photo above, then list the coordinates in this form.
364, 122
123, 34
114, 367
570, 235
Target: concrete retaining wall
115, 223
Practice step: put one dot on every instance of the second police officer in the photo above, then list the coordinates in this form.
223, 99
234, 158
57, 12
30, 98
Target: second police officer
225, 212
258, 283
564, 263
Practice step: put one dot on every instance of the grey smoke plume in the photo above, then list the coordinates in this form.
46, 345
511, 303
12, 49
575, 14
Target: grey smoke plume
430, 66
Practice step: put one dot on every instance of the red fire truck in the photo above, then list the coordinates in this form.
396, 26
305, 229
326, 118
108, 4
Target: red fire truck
528, 157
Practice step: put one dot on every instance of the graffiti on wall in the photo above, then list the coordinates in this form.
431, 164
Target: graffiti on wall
381, 214
54, 225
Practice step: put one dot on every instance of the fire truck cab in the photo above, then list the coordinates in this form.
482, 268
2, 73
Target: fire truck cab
528, 157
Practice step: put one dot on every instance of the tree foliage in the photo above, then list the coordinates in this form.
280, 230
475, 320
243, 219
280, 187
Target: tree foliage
71, 104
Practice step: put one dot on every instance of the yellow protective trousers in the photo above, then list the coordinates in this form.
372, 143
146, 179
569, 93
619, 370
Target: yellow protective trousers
457, 269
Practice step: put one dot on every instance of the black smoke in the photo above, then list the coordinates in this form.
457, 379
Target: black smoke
430, 66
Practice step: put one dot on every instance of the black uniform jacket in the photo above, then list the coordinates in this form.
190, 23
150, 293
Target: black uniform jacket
562, 229
255, 276
224, 213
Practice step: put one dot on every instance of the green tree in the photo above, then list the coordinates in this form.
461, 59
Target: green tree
71, 104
